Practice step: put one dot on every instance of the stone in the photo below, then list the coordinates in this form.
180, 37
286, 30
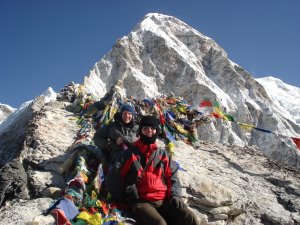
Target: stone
40, 180
52, 192
20, 212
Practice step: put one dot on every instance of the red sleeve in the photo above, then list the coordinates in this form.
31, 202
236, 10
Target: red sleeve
128, 164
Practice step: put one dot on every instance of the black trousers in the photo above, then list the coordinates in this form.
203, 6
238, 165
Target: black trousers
159, 213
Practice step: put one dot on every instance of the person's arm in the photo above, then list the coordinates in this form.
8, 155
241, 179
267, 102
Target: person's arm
174, 191
116, 135
131, 136
116, 181
171, 178
101, 138
113, 181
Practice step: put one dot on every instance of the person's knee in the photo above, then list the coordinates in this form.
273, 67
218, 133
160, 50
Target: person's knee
160, 221
156, 221
148, 219
190, 217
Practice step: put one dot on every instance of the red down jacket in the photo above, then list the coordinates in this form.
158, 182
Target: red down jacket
159, 180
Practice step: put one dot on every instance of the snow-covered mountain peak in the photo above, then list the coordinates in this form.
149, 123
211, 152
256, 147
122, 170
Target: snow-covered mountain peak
286, 97
49, 94
7, 107
154, 38
5, 111
162, 25
164, 21
164, 55
273, 81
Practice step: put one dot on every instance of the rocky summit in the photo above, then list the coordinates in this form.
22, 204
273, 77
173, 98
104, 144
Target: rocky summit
223, 184
229, 176
163, 55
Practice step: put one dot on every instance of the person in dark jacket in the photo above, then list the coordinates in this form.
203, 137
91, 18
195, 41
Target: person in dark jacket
149, 182
117, 136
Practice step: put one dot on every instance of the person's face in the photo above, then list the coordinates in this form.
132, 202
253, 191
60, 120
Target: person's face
149, 131
126, 116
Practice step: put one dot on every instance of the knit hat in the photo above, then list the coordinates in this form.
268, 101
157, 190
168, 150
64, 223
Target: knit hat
128, 108
150, 121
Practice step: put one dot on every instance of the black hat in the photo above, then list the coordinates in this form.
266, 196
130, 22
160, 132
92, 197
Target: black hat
150, 121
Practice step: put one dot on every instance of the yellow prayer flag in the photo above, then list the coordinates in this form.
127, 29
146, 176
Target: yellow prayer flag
247, 127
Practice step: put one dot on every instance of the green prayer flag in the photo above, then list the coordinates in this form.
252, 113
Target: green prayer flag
229, 117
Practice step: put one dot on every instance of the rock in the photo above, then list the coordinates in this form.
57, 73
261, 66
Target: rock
40, 180
239, 220
52, 192
49, 133
20, 212
220, 217
209, 193
13, 181
46, 146
225, 182
42, 220
12, 130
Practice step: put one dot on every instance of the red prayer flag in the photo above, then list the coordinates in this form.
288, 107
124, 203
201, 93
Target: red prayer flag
60, 217
297, 142
216, 115
205, 103
105, 208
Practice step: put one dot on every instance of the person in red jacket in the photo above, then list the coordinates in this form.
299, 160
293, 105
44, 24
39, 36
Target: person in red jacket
149, 181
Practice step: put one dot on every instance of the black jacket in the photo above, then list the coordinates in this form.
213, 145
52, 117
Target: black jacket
105, 138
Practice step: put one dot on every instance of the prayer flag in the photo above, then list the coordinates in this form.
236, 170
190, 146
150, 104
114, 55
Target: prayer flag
229, 117
263, 130
297, 142
245, 126
205, 103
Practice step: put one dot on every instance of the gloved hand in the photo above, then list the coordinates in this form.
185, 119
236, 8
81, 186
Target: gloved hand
132, 192
176, 202
119, 141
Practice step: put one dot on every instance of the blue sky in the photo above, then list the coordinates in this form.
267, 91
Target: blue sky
50, 43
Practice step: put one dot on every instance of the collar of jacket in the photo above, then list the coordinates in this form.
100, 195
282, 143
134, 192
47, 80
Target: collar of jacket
144, 148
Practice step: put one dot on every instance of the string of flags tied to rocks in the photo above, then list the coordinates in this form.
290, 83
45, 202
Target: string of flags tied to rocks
218, 113
81, 201
179, 120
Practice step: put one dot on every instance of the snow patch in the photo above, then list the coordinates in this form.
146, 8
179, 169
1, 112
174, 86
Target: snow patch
49, 95
285, 97
12, 117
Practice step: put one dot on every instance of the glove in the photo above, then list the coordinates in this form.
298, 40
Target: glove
119, 141
176, 202
132, 193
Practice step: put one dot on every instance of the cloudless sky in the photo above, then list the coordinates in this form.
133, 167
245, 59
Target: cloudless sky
52, 42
